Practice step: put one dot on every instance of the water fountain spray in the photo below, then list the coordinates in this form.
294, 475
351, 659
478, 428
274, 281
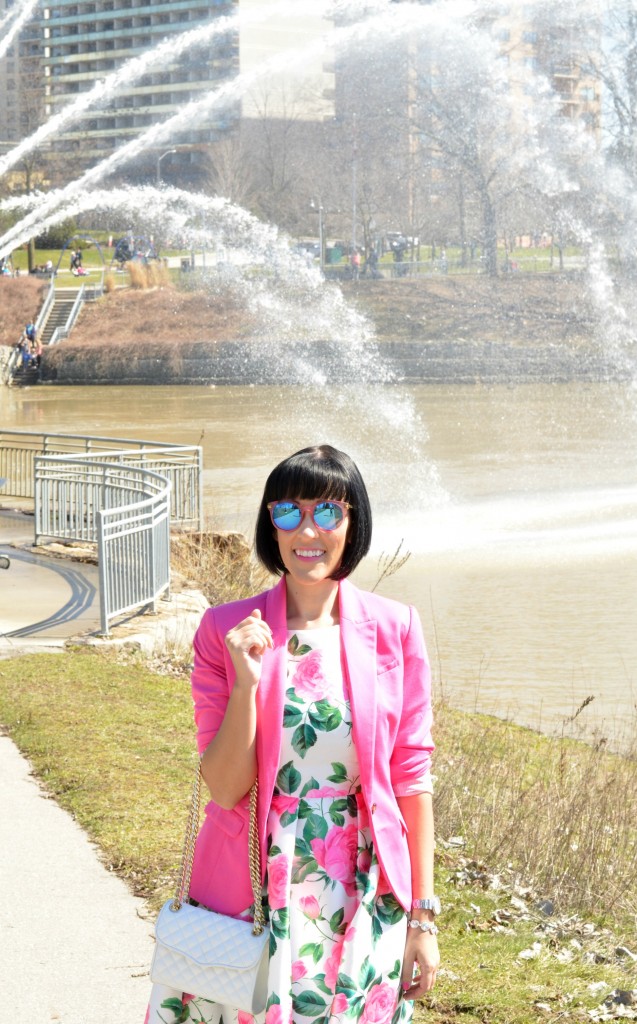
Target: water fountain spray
19, 19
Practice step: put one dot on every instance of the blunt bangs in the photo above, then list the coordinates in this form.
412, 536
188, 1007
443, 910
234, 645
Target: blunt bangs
317, 472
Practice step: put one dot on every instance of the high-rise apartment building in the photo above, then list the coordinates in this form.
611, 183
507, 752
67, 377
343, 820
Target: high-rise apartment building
85, 40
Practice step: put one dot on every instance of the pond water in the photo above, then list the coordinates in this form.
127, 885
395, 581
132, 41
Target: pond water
518, 506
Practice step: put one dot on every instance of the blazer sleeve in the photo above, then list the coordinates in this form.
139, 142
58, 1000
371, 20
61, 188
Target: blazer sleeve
410, 761
209, 680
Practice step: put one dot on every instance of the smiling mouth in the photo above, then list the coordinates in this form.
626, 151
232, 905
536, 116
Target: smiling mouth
308, 553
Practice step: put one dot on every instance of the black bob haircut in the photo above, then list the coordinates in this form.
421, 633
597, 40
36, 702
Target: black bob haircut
317, 472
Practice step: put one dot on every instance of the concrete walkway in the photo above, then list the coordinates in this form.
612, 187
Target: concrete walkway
43, 600
75, 945
74, 948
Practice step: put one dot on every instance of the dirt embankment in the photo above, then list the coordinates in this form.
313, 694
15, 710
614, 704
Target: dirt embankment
516, 309
20, 301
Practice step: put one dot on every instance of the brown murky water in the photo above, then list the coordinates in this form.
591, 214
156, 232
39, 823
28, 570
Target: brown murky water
518, 505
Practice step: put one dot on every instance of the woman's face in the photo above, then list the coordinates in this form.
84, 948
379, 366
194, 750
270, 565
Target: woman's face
311, 555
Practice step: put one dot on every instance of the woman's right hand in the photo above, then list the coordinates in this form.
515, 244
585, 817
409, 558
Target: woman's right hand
247, 643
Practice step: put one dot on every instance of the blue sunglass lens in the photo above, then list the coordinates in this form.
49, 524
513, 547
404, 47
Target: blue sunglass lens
286, 515
327, 515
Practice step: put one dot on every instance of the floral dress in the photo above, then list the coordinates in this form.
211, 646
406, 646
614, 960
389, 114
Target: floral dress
337, 933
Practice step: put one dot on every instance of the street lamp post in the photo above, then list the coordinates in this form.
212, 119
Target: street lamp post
159, 160
318, 206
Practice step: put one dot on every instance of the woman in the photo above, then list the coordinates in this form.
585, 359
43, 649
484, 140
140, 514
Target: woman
323, 691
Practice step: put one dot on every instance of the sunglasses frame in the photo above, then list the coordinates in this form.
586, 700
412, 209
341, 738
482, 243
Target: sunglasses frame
343, 505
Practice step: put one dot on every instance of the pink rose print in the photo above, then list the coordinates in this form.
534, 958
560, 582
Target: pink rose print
274, 1014
337, 852
309, 681
364, 862
318, 849
339, 1003
278, 882
333, 963
299, 970
310, 907
244, 1018
379, 1005
281, 803
327, 791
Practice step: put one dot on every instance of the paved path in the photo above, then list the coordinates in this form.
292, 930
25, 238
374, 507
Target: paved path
43, 600
73, 946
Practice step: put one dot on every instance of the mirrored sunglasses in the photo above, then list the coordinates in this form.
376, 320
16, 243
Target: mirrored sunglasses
326, 514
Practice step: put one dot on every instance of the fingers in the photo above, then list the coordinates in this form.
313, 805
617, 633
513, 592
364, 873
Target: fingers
419, 971
250, 636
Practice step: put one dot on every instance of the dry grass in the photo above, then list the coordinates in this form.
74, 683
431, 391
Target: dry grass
144, 276
562, 813
164, 315
514, 309
20, 301
218, 564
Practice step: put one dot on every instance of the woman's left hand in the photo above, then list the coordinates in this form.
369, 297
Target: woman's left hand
420, 963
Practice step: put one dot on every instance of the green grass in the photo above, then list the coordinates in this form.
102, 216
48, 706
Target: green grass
113, 741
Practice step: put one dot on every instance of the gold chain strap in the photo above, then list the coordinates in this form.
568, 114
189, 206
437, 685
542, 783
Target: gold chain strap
188, 853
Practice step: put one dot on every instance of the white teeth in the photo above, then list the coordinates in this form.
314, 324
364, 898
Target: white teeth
304, 553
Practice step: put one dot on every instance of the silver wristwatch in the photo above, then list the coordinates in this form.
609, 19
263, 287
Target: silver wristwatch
432, 903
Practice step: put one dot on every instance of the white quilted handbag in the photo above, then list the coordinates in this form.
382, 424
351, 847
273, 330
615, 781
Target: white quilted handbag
208, 954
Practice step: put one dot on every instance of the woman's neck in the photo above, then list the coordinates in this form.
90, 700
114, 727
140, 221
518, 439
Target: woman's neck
312, 607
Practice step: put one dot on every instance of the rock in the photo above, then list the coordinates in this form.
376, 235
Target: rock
546, 907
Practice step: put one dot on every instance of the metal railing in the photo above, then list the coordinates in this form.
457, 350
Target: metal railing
46, 305
64, 330
133, 543
123, 500
126, 511
181, 464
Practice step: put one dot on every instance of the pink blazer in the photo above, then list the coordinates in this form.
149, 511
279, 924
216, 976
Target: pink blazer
387, 671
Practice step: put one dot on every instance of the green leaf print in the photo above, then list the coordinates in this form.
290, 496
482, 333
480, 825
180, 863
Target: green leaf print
297, 650
339, 774
356, 1007
288, 818
292, 695
180, 1012
324, 716
303, 866
309, 949
309, 1004
303, 739
336, 920
319, 981
280, 923
301, 848
346, 985
366, 974
310, 784
315, 827
335, 810
396, 971
273, 1000
304, 809
389, 910
272, 947
288, 779
377, 930
291, 716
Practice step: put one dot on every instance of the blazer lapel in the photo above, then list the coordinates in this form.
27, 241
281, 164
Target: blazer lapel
270, 699
358, 636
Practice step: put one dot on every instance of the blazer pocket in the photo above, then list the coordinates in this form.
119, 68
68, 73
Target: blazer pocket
230, 821
386, 666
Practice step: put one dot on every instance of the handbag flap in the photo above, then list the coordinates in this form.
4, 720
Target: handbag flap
208, 938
